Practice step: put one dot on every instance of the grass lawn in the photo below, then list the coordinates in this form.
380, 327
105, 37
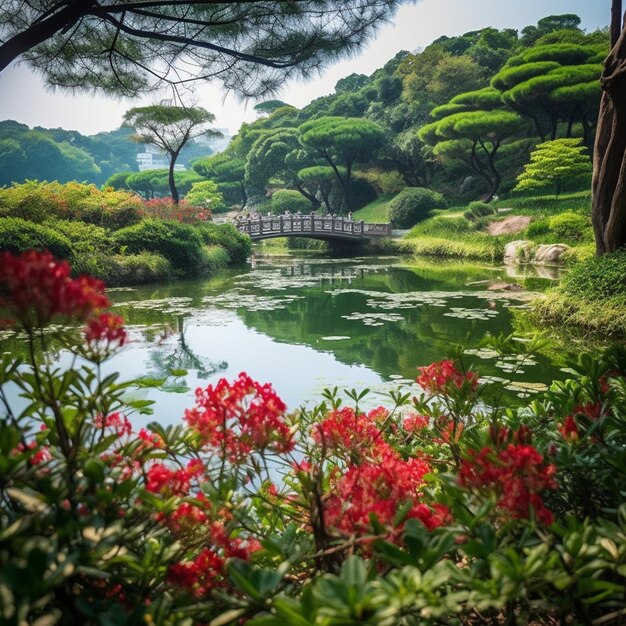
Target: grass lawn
376, 212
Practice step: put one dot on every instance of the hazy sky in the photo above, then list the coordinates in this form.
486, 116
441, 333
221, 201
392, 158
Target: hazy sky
25, 99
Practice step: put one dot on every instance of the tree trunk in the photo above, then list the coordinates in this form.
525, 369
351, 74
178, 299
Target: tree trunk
244, 195
608, 208
172, 181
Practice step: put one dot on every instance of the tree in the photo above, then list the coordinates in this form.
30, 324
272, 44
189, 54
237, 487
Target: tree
169, 128
472, 129
269, 106
125, 47
228, 172
319, 179
554, 84
554, 163
342, 142
205, 193
608, 205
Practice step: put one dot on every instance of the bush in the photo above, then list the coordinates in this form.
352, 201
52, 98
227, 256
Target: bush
477, 209
413, 205
289, 200
597, 278
565, 227
18, 235
442, 226
38, 202
183, 212
362, 192
236, 244
180, 244
129, 269
206, 194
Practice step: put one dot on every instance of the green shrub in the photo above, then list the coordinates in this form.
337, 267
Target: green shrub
179, 243
206, 194
442, 226
565, 227
236, 244
18, 235
127, 269
413, 205
38, 202
289, 200
477, 209
598, 277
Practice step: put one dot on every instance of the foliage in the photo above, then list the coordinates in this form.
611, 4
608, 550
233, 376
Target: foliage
413, 205
179, 243
207, 195
566, 227
442, 503
252, 49
37, 202
477, 209
236, 244
18, 235
289, 201
597, 278
183, 212
228, 172
555, 163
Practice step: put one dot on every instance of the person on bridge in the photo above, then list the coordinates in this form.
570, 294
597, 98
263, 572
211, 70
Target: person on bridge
350, 215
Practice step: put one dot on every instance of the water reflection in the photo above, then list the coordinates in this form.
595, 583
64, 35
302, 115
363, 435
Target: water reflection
308, 324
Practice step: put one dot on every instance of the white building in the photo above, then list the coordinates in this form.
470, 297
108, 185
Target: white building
153, 159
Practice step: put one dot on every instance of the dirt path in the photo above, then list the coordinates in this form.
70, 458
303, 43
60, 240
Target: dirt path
509, 225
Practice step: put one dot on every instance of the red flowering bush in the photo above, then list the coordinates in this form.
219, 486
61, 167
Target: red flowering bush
452, 510
166, 209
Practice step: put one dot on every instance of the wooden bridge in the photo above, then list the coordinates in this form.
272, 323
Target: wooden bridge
312, 226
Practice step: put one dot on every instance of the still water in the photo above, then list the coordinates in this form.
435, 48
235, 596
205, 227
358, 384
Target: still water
306, 324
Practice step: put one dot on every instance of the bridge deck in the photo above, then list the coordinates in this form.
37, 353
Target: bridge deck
315, 226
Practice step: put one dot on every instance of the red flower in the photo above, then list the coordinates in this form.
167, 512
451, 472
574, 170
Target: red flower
517, 474
39, 288
414, 422
381, 489
106, 329
569, 429
345, 431
161, 479
239, 417
117, 422
438, 378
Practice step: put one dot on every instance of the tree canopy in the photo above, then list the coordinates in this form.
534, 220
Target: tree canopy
169, 128
126, 47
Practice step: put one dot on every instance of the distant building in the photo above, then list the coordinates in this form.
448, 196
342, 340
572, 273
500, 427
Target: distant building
153, 159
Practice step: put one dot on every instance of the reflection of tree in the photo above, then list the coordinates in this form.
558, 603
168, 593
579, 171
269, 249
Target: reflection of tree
183, 358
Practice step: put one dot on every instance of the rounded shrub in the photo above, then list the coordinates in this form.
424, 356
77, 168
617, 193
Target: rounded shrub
413, 205
18, 235
236, 244
571, 227
478, 209
179, 243
598, 277
289, 200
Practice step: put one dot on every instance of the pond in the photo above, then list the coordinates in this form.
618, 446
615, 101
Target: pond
307, 324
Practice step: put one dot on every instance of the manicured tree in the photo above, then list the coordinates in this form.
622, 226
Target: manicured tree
278, 154
552, 85
553, 163
118, 180
319, 179
342, 142
169, 128
129, 47
228, 172
269, 106
608, 209
471, 129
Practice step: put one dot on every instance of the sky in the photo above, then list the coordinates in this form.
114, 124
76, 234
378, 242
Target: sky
26, 99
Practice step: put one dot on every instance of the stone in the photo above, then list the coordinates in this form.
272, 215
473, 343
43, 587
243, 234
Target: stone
518, 251
550, 254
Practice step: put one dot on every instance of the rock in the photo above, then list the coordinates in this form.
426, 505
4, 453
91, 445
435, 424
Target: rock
550, 254
502, 286
518, 251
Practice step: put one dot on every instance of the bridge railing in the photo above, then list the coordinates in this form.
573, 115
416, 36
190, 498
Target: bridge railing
310, 224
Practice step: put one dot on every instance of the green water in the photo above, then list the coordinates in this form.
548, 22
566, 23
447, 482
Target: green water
307, 324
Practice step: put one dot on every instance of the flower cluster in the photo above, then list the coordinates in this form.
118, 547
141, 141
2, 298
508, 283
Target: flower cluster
169, 482
165, 209
39, 288
380, 488
344, 431
439, 378
116, 422
106, 331
240, 417
517, 474
570, 428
